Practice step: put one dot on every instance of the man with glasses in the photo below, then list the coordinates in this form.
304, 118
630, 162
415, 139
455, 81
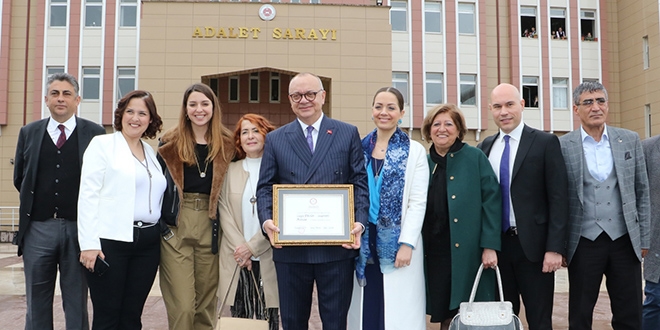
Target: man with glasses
609, 213
313, 149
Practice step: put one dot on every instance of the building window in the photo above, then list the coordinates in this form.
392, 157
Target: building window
588, 25
50, 70
560, 93
128, 13
434, 88
233, 89
315, 1
466, 18
528, 21
400, 82
254, 87
275, 1
274, 87
213, 84
468, 89
433, 16
292, 1
255, 0
530, 91
398, 15
125, 81
558, 23
589, 80
647, 120
93, 13
58, 14
91, 83
645, 51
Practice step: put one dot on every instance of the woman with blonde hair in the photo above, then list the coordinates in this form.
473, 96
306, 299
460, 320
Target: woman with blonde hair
196, 153
243, 244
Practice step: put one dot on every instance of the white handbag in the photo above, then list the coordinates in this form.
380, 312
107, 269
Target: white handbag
489, 315
236, 323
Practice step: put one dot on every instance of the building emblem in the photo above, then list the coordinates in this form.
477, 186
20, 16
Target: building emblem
267, 12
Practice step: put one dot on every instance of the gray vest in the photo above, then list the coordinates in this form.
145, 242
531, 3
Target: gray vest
602, 207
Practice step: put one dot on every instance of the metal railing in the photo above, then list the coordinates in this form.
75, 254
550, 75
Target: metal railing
8, 218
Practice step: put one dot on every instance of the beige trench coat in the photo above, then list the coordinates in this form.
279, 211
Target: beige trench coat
231, 222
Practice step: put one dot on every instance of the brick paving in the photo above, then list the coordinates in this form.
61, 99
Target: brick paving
12, 301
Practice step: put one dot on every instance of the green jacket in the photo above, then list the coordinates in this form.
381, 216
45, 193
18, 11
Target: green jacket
475, 213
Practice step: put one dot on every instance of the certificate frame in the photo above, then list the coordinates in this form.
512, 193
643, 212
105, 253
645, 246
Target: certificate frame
313, 214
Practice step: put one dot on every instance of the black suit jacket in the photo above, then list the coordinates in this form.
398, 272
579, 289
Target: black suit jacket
26, 163
337, 159
539, 192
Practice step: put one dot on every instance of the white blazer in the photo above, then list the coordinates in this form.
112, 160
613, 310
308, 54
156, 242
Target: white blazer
404, 290
106, 203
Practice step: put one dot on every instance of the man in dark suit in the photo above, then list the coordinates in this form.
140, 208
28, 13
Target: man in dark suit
47, 175
534, 205
609, 212
313, 149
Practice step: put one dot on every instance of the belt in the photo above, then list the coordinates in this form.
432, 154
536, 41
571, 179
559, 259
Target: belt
196, 201
141, 224
512, 231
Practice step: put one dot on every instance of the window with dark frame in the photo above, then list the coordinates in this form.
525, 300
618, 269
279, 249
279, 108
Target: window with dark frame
233, 89
530, 91
528, 22
274, 87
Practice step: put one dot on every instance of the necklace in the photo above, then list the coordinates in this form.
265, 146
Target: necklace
379, 168
253, 199
146, 166
206, 166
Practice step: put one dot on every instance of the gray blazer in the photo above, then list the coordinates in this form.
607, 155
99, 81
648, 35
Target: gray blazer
633, 183
652, 261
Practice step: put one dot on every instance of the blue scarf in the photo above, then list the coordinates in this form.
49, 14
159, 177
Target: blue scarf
388, 221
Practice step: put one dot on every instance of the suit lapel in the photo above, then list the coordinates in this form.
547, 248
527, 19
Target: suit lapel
577, 154
298, 143
323, 143
526, 140
488, 144
83, 137
618, 146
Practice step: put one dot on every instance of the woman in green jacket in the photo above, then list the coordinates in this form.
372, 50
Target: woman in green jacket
462, 223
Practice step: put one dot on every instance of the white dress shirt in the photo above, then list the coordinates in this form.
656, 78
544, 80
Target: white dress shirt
598, 155
495, 158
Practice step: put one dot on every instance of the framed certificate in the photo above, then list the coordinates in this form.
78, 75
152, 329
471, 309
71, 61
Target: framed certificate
313, 214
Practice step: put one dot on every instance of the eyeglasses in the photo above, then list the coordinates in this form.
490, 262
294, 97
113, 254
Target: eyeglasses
588, 102
309, 96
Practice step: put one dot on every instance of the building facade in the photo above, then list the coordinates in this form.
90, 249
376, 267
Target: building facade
449, 51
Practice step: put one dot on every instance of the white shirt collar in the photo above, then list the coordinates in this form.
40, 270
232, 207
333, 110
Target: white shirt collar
70, 124
584, 134
515, 134
316, 125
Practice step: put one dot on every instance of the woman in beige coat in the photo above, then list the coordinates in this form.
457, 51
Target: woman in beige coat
243, 243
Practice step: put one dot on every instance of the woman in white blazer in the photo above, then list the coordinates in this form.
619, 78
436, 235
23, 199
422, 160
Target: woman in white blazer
121, 189
390, 269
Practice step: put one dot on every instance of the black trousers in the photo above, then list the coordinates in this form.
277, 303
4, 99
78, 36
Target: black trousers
618, 262
524, 279
119, 295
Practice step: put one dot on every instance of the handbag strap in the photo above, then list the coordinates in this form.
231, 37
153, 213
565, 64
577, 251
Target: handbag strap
478, 277
256, 288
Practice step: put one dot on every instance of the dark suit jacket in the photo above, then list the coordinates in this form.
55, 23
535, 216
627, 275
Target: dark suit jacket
27, 159
539, 192
337, 159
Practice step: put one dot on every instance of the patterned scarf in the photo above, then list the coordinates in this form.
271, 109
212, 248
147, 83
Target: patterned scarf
388, 226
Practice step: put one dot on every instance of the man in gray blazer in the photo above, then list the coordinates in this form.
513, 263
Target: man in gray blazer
651, 308
47, 175
608, 228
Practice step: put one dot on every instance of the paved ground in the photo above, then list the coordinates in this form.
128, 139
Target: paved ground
12, 301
